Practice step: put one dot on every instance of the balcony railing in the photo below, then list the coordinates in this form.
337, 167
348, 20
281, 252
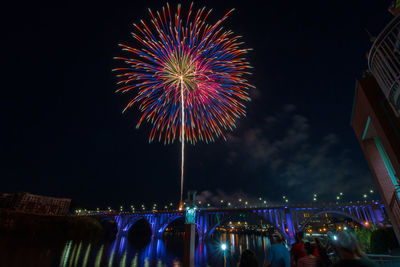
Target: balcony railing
384, 62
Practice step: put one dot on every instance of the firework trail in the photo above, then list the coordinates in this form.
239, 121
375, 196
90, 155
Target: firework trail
188, 77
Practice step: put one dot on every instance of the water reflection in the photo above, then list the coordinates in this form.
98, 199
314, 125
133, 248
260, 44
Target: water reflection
124, 253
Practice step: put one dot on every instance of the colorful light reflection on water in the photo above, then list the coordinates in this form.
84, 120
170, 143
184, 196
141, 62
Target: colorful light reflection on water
161, 252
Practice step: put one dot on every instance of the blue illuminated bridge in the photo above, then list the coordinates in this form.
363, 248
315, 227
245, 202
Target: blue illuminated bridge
286, 219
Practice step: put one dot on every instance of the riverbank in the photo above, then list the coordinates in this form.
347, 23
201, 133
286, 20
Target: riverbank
51, 228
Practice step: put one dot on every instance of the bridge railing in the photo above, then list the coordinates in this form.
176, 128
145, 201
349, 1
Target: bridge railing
394, 206
385, 260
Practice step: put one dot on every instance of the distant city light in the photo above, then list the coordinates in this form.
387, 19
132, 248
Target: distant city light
240, 200
371, 191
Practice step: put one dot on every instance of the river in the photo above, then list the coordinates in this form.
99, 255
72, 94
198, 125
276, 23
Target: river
121, 252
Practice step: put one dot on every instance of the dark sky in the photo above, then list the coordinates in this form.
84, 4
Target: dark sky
64, 135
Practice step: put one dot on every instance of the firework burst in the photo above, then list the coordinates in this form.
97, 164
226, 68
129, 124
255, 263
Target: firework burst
188, 76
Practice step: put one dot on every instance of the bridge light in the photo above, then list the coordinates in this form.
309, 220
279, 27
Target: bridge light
170, 204
338, 197
223, 246
371, 191
259, 198
229, 203
208, 204
240, 200
286, 200
365, 195
222, 201
265, 202
283, 197
246, 203
315, 199
341, 193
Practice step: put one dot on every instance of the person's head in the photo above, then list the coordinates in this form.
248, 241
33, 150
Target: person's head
309, 248
248, 259
276, 238
347, 245
318, 244
299, 236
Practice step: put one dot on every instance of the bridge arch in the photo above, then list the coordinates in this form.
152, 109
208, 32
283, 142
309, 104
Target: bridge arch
316, 214
226, 218
132, 221
170, 220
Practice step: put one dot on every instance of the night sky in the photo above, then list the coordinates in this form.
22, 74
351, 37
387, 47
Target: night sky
63, 133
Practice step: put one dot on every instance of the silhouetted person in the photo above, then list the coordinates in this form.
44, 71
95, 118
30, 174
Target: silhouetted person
309, 260
349, 250
297, 251
277, 255
323, 259
248, 259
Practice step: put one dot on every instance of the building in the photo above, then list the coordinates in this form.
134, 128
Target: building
29, 203
375, 117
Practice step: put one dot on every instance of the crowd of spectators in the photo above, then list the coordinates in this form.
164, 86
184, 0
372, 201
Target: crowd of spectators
342, 250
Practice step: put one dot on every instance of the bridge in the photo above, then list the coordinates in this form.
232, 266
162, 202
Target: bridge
286, 219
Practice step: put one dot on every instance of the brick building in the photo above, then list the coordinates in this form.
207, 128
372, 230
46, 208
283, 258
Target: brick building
376, 120
29, 203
